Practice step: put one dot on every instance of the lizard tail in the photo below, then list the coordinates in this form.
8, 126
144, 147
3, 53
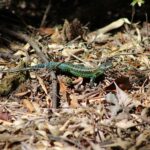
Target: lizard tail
24, 69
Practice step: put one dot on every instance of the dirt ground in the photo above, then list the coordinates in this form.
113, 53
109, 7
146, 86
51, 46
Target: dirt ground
52, 109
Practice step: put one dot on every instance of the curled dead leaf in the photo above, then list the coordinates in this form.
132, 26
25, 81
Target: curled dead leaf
28, 104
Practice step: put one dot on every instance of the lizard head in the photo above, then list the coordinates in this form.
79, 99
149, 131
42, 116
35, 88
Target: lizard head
100, 70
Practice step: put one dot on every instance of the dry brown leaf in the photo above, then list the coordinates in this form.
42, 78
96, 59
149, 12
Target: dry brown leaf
123, 98
65, 125
28, 104
5, 123
74, 101
42, 145
63, 87
123, 83
26, 146
79, 80
12, 138
125, 124
41, 82
57, 37
119, 143
143, 138
59, 145
36, 107
20, 53
100, 34
46, 31
72, 30
26, 47
19, 124
48, 100
143, 59
42, 133
5, 116
120, 101
55, 47
54, 130
21, 93
70, 51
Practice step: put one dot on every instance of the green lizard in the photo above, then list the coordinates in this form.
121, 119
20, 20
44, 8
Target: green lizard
76, 70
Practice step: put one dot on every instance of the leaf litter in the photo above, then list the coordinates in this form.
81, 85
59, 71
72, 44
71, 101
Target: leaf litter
114, 113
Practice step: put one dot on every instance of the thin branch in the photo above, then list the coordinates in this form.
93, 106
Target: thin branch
46, 13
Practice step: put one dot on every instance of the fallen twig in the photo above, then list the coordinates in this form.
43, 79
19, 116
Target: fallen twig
45, 14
